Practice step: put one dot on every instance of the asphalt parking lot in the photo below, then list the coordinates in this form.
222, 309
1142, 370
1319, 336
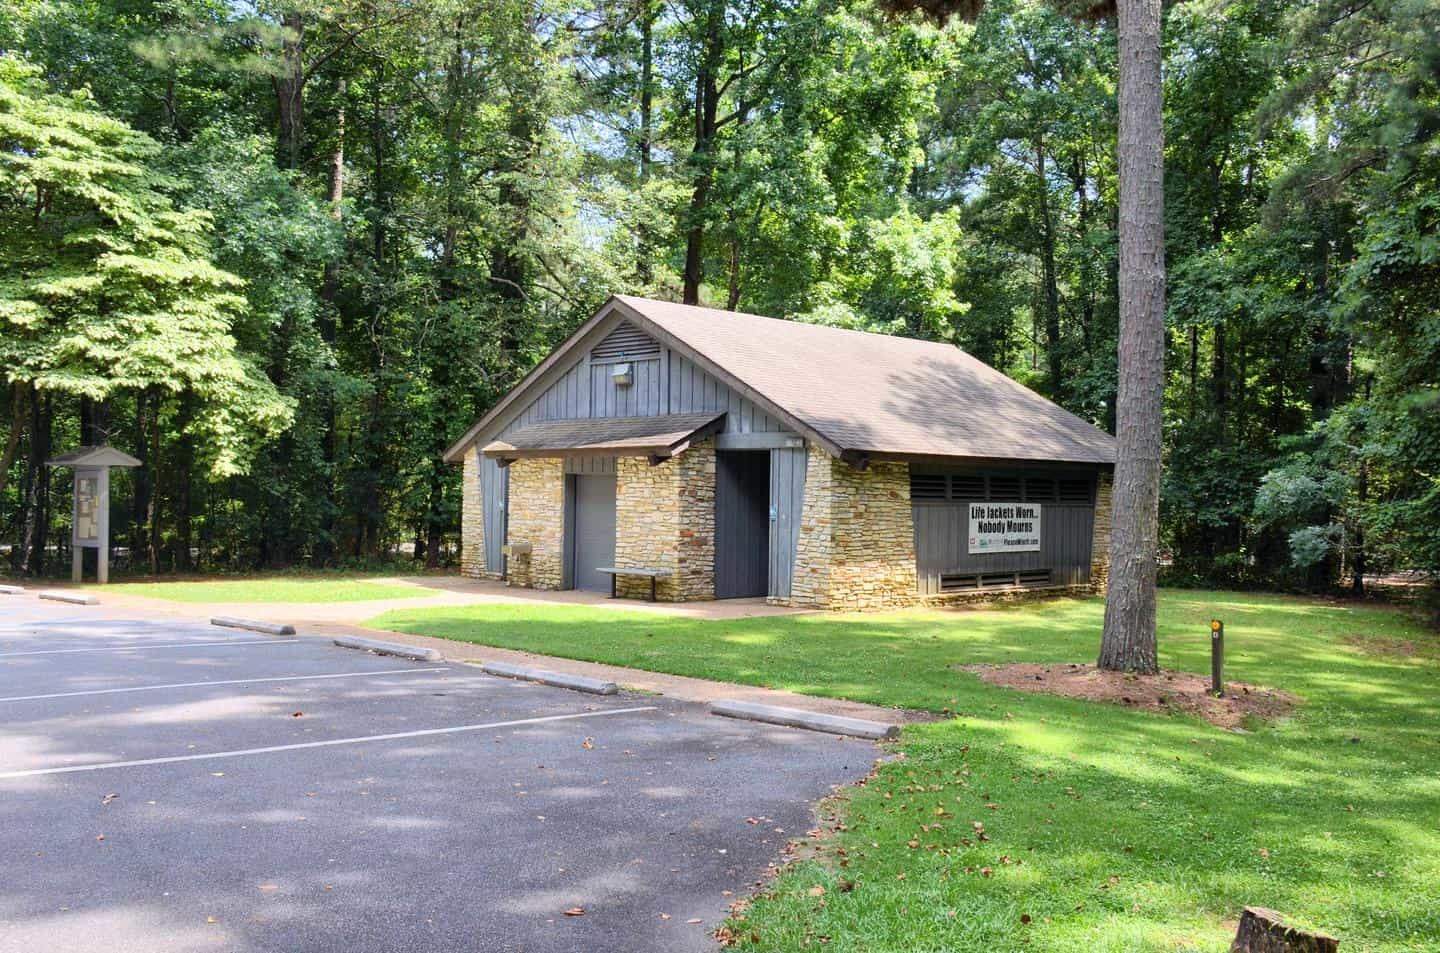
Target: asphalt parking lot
168, 786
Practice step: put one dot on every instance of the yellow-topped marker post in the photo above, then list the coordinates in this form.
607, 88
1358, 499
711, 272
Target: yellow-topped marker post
1217, 657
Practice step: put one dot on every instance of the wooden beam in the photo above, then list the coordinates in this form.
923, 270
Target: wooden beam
760, 440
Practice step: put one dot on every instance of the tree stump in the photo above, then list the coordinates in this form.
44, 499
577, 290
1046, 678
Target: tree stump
1265, 931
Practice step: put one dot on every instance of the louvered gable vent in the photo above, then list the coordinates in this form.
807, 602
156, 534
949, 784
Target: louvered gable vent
625, 343
927, 486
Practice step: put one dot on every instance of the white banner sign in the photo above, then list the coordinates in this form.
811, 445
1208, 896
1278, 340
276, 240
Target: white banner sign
1004, 528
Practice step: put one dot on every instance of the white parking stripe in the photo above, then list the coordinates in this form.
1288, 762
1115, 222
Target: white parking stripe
393, 736
229, 681
162, 645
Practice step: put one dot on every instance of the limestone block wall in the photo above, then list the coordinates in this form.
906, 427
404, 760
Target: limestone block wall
472, 519
537, 517
1100, 541
874, 537
665, 519
810, 578
857, 536
696, 542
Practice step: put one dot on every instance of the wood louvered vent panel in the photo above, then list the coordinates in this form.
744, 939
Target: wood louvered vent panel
625, 343
1075, 491
1039, 489
967, 487
927, 486
1005, 489
963, 581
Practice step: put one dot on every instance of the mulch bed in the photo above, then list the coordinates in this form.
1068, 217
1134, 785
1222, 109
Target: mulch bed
1167, 692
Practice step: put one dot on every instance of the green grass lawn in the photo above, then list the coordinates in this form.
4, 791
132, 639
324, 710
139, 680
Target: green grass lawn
1107, 829
270, 589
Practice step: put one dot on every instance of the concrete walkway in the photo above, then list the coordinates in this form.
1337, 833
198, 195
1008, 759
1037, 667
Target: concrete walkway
329, 620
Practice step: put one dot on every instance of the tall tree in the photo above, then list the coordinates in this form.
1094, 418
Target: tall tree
1128, 642
107, 288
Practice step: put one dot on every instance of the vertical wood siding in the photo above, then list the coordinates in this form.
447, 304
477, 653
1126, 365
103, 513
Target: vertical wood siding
669, 384
942, 543
787, 496
692, 390
494, 492
594, 466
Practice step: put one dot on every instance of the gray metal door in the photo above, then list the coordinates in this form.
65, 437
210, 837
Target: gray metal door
594, 531
742, 523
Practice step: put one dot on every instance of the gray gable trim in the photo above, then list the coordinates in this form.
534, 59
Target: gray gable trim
577, 345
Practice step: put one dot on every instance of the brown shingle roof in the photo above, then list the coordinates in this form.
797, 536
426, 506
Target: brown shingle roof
874, 393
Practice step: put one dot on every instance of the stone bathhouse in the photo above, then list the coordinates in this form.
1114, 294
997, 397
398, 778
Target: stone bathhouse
712, 455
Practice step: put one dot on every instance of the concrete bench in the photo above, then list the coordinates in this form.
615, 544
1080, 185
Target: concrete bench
615, 572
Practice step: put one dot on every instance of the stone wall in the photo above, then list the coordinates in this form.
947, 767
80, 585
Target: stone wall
696, 542
537, 517
1100, 541
472, 519
810, 578
1004, 596
857, 536
665, 519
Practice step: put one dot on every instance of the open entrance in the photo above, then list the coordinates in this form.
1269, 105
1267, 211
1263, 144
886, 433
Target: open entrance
593, 537
742, 523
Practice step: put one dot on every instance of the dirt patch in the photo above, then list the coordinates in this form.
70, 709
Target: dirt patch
1167, 692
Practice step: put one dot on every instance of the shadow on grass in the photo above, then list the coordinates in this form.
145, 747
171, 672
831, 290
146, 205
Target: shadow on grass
1110, 830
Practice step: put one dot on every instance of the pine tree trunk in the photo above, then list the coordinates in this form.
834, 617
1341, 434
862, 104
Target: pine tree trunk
707, 106
19, 404
35, 492
644, 270
290, 91
1054, 372
1128, 643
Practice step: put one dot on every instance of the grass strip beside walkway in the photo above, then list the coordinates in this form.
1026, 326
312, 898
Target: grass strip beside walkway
281, 589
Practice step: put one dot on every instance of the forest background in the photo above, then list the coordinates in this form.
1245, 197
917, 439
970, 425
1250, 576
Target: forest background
285, 253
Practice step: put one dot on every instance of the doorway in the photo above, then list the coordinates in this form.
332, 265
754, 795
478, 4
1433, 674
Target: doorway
742, 523
594, 544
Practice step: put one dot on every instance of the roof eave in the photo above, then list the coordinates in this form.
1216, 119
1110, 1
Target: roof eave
973, 460
658, 451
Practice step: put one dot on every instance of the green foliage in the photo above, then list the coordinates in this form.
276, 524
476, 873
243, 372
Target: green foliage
106, 285
420, 199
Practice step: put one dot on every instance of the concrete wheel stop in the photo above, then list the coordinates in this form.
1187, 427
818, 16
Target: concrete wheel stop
74, 598
268, 628
396, 649
579, 683
799, 718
